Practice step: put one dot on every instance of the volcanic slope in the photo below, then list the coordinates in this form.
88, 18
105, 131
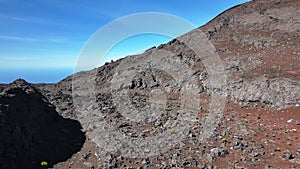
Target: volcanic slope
259, 47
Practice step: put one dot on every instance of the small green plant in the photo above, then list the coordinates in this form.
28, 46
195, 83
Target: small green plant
224, 140
44, 163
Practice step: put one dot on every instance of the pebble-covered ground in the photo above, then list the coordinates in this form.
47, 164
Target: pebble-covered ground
172, 107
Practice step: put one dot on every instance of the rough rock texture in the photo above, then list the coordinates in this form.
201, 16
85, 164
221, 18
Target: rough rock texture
258, 43
142, 97
279, 93
32, 131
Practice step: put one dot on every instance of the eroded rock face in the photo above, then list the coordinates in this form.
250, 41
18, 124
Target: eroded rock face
280, 93
32, 131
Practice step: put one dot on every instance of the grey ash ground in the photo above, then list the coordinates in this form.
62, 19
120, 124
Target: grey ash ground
259, 45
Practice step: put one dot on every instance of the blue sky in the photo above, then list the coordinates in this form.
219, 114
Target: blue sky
43, 35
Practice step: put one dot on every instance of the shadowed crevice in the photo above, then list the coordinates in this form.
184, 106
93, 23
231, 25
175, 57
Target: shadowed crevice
32, 131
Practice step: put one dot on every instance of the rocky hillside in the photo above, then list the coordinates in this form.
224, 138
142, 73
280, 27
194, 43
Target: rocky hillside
258, 43
144, 97
232, 102
32, 131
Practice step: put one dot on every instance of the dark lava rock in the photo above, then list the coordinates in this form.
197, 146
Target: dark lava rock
32, 131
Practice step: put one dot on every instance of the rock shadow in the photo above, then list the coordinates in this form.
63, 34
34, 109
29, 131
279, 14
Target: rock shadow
31, 131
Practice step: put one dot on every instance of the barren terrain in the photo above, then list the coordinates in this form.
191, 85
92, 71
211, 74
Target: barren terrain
143, 97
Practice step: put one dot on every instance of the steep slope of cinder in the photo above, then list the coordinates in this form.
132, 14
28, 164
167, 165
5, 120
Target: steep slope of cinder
259, 42
259, 46
32, 131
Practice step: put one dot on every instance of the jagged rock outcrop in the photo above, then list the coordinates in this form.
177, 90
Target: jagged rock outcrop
32, 131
